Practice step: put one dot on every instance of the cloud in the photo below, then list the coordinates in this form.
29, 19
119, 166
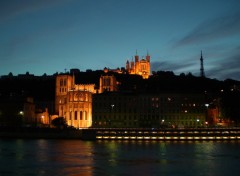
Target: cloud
169, 66
228, 68
10, 9
222, 27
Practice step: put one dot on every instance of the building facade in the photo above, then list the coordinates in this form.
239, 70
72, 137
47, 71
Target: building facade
107, 83
116, 109
74, 101
78, 109
139, 66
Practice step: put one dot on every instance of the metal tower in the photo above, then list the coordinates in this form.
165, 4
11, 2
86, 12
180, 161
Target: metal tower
202, 74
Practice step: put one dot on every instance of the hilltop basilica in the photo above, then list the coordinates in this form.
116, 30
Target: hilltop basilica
137, 67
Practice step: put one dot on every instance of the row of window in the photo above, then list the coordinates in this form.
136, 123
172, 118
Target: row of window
147, 99
63, 82
124, 105
145, 117
63, 89
136, 124
81, 115
146, 111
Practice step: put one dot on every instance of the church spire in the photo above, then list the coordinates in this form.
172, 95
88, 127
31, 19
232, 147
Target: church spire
148, 56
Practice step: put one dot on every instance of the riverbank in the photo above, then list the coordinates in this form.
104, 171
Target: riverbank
40, 133
123, 134
168, 134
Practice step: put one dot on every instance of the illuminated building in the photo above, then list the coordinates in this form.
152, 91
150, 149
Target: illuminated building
43, 117
140, 66
74, 101
137, 67
108, 83
115, 109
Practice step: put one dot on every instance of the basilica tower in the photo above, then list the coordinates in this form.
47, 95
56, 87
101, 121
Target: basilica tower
139, 66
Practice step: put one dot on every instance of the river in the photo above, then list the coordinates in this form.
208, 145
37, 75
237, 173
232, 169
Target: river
42, 157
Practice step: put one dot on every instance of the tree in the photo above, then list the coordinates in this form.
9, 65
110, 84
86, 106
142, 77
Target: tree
59, 122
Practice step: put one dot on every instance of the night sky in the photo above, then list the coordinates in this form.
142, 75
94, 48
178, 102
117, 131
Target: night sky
49, 36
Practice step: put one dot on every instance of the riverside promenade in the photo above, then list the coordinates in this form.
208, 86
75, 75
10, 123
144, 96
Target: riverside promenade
190, 134
162, 134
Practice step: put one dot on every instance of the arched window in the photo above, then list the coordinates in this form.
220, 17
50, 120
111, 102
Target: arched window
75, 115
81, 115
86, 115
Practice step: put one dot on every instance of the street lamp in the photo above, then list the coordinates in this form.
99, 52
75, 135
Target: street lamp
206, 118
42, 119
198, 122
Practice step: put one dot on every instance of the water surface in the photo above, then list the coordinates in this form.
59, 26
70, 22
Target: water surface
76, 157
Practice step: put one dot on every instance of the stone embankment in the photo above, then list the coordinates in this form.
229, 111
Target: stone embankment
163, 134
123, 134
40, 133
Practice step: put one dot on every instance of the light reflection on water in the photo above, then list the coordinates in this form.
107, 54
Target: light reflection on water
75, 157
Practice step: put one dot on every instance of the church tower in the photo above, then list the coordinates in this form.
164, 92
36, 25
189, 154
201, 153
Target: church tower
139, 66
202, 74
64, 83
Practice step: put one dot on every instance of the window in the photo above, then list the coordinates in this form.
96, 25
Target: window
86, 115
75, 115
81, 114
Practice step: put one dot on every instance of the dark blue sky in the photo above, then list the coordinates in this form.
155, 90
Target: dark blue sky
50, 36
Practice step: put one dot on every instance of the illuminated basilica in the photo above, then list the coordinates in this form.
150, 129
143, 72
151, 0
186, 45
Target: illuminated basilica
140, 66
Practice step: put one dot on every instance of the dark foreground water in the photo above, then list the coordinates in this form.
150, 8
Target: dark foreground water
75, 157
